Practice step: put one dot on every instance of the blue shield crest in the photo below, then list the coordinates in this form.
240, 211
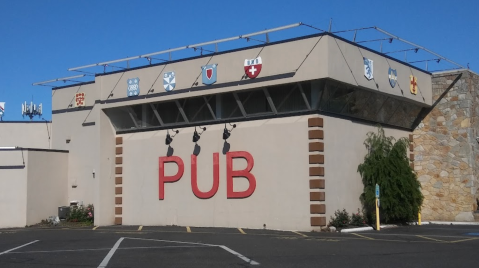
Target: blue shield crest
209, 74
368, 68
393, 77
169, 81
133, 87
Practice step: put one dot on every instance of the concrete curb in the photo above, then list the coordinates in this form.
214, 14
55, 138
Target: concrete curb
369, 228
362, 229
454, 222
446, 223
359, 229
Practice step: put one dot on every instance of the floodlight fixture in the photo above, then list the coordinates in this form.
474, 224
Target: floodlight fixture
169, 138
227, 132
196, 135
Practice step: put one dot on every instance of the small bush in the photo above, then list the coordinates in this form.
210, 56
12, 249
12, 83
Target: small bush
81, 214
358, 219
340, 219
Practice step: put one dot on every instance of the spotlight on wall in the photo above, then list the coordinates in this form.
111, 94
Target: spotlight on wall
227, 132
169, 138
196, 135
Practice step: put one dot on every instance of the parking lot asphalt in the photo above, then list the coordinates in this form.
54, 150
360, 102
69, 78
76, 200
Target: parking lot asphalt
175, 246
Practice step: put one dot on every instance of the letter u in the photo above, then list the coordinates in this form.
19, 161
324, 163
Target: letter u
216, 177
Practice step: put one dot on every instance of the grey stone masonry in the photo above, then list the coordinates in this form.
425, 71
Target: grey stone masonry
446, 148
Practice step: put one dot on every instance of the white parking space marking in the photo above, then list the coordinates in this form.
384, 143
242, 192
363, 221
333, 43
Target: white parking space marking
248, 260
107, 258
303, 235
1, 253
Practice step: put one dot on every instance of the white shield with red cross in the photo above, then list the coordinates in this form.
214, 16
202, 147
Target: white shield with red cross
252, 68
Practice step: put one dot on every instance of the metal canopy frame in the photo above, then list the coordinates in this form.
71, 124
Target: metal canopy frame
58, 79
199, 46
196, 46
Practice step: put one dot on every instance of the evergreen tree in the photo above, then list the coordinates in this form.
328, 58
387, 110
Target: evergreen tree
387, 165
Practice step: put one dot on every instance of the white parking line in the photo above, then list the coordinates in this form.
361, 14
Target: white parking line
107, 258
101, 249
1, 253
248, 260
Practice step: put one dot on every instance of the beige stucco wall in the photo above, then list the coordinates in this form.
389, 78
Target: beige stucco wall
278, 59
83, 139
279, 146
64, 98
47, 186
344, 56
105, 172
33, 192
26, 134
13, 190
83, 158
343, 152
305, 59
281, 199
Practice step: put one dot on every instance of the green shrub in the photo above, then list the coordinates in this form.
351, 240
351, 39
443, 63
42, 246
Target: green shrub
340, 219
358, 219
81, 214
387, 165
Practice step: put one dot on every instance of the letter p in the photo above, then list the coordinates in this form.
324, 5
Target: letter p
174, 178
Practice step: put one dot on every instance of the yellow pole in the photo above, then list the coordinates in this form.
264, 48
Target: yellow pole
419, 218
378, 227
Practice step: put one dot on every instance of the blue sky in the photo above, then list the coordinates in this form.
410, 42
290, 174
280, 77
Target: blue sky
41, 39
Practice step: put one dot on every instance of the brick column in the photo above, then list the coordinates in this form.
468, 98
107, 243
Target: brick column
316, 171
119, 181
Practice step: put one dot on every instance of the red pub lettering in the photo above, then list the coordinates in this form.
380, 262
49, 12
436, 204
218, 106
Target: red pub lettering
230, 174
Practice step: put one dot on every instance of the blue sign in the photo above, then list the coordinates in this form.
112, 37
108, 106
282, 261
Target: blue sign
368, 68
393, 77
377, 191
133, 87
209, 74
169, 81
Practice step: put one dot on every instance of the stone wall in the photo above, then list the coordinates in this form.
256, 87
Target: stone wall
446, 152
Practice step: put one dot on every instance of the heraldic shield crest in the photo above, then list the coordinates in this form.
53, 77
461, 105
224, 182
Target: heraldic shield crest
393, 77
368, 68
413, 84
209, 74
80, 99
133, 87
169, 81
252, 68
